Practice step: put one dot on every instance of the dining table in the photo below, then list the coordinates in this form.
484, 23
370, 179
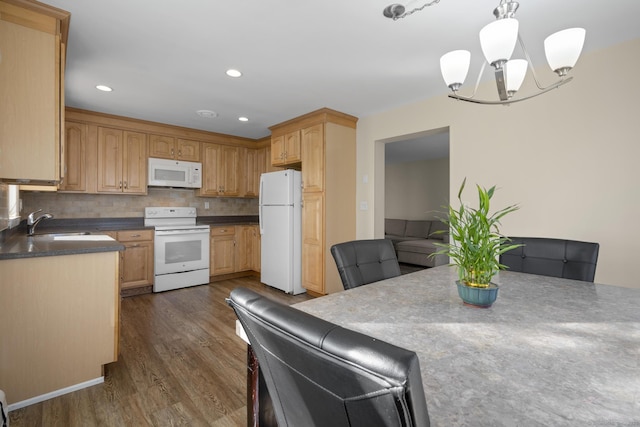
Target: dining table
548, 352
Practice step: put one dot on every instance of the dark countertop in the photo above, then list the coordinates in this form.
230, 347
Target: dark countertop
23, 246
16, 244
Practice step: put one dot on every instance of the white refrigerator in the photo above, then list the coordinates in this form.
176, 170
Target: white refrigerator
280, 206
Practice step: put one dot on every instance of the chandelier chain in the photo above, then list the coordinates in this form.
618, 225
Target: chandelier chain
417, 9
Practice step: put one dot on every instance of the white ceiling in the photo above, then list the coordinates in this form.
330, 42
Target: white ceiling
417, 148
167, 59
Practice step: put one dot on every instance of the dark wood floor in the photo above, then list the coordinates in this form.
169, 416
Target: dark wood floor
180, 363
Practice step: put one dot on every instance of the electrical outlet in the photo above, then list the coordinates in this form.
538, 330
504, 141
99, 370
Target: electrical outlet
206, 205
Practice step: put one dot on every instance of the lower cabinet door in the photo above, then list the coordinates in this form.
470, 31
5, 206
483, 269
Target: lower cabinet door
136, 266
313, 242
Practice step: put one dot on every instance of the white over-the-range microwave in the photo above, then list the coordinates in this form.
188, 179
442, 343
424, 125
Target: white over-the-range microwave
174, 173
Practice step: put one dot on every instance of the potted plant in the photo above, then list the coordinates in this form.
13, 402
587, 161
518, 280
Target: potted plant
475, 246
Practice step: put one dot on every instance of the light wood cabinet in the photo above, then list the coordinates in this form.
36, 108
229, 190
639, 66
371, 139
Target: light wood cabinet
285, 149
75, 178
221, 171
327, 144
234, 249
136, 261
31, 91
222, 250
267, 158
313, 253
313, 158
244, 250
59, 317
258, 161
122, 161
253, 171
247, 248
168, 147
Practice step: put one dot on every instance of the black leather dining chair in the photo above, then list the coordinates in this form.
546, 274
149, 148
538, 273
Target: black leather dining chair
361, 262
320, 374
569, 259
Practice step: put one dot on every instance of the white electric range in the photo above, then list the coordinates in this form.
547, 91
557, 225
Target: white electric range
181, 248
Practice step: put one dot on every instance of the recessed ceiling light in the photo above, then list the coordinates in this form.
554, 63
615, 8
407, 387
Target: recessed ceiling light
207, 114
104, 88
233, 73
243, 119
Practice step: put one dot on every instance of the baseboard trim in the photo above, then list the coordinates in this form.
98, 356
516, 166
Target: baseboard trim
55, 393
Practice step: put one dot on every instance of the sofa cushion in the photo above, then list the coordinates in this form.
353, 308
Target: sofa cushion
421, 246
438, 226
419, 252
394, 227
418, 228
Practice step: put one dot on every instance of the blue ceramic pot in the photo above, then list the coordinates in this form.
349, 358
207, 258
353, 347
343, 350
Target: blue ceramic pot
479, 297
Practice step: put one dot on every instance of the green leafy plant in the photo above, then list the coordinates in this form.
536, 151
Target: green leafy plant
475, 240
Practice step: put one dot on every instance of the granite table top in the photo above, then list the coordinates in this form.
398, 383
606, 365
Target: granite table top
549, 352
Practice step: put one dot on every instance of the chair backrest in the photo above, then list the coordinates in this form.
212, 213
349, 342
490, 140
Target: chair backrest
568, 259
320, 374
365, 261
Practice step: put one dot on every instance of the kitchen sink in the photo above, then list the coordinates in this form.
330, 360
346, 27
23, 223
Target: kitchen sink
54, 235
81, 236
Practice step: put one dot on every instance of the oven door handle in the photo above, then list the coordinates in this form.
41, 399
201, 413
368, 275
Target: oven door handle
160, 233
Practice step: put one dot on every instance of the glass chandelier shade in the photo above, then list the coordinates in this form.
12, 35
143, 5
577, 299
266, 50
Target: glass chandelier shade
454, 67
498, 39
516, 70
563, 49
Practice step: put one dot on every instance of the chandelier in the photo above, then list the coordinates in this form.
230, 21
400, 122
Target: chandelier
498, 41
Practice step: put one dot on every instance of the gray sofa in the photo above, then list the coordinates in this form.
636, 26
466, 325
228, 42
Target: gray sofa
414, 240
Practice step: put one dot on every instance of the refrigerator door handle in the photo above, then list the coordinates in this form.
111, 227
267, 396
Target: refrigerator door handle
260, 226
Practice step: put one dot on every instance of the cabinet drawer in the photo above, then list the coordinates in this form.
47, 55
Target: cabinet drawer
223, 231
134, 235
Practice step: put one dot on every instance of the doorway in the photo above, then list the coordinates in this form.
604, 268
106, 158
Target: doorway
416, 178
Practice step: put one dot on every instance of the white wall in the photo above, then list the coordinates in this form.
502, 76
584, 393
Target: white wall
416, 190
569, 158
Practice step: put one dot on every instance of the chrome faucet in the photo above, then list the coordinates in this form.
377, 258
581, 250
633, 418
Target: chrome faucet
32, 222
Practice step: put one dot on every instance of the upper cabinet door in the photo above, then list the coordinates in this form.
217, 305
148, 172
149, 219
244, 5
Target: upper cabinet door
285, 149
75, 154
109, 160
313, 158
134, 163
292, 147
277, 150
211, 184
163, 147
188, 150
167, 147
122, 161
30, 94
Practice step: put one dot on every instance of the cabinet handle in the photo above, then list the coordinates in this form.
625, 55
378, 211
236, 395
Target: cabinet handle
172, 152
179, 153
125, 185
135, 245
135, 235
120, 184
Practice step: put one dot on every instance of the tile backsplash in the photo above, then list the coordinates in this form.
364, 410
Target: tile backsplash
67, 205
